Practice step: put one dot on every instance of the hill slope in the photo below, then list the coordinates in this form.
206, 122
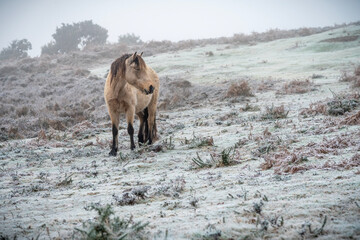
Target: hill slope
281, 162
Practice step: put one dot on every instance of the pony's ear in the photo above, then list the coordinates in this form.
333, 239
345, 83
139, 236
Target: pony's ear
141, 54
135, 59
134, 56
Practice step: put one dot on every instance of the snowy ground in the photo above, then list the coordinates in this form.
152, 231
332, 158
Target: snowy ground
48, 182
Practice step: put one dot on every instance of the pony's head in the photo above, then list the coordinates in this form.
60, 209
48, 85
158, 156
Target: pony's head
132, 68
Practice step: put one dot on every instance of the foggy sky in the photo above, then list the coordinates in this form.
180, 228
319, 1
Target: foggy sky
36, 20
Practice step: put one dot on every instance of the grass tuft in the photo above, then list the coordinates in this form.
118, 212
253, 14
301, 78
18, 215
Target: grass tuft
224, 159
198, 142
272, 113
107, 227
67, 181
306, 231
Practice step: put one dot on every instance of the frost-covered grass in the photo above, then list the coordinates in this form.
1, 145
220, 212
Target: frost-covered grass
285, 58
293, 174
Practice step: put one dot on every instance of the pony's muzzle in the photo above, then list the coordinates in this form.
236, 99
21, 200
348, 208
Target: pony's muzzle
151, 90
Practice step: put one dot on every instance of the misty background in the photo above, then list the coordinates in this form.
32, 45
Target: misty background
167, 20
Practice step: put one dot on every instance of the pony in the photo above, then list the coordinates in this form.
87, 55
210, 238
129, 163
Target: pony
132, 87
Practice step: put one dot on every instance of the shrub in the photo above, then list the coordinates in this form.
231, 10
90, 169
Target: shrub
341, 105
17, 49
129, 39
72, 37
209, 54
50, 48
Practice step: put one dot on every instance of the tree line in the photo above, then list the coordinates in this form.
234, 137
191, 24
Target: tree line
67, 38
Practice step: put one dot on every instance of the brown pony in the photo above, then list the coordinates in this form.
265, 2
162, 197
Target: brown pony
132, 88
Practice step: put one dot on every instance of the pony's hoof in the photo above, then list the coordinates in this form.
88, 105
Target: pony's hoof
132, 147
112, 152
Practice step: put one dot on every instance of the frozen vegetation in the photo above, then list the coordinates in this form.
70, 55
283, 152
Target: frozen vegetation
257, 141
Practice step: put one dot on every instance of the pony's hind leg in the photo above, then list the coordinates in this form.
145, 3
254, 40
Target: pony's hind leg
152, 131
141, 128
114, 147
146, 125
130, 113
114, 115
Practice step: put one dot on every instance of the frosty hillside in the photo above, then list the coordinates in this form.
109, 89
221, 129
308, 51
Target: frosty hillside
257, 140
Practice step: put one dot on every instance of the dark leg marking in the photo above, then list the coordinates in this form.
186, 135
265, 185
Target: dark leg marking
131, 133
141, 130
115, 135
141, 135
146, 115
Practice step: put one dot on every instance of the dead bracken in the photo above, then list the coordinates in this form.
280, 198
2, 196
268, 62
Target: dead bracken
296, 87
241, 88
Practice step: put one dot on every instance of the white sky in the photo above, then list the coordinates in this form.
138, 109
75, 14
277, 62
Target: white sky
36, 20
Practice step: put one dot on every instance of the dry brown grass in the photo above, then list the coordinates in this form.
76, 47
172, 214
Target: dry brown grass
345, 77
286, 161
79, 128
332, 145
353, 119
13, 133
57, 124
339, 105
42, 135
296, 87
82, 72
239, 89
273, 112
102, 143
23, 111
314, 109
347, 164
266, 85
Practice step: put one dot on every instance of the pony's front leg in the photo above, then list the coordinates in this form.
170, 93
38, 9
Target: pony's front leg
114, 148
115, 116
130, 113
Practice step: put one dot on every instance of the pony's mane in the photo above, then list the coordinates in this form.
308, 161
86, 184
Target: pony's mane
119, 66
